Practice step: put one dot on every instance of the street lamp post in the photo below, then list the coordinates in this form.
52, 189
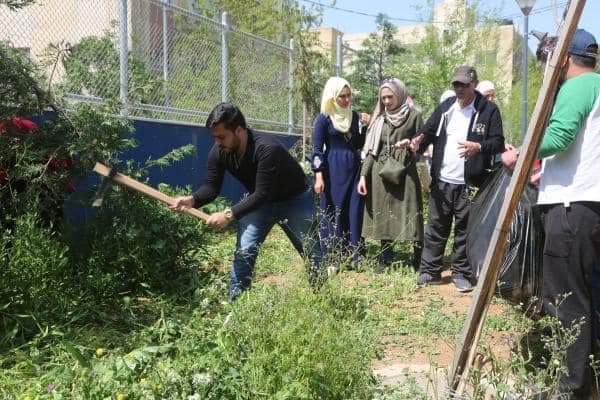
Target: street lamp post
526, 6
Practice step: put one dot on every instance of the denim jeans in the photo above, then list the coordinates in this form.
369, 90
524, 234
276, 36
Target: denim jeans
297, 219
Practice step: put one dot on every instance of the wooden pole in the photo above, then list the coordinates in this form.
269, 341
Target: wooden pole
146, 190
469, 338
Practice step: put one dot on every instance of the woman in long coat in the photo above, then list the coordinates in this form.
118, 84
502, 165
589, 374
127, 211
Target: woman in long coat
336, 163
394, 210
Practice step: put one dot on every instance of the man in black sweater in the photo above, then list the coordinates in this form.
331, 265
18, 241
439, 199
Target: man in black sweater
466, 132
279, 193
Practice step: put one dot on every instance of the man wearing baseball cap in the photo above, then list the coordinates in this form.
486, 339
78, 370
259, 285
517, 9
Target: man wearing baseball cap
466, 133
569, 199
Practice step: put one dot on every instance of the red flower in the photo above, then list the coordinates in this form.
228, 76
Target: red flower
23, 124
3, 176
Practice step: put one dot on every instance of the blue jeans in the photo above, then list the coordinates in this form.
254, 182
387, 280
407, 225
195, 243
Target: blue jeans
297, 219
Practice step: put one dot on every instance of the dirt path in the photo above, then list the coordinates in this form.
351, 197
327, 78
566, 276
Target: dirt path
409, 359
410, 355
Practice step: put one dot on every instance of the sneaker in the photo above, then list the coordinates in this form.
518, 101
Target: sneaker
462, 284
426, 279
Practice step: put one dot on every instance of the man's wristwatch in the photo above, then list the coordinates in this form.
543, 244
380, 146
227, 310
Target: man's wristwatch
228, 214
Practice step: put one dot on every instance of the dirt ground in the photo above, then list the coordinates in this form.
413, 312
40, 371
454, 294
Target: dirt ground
406, 357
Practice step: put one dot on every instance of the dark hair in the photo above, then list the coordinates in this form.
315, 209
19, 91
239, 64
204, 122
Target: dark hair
229, 115
587, 62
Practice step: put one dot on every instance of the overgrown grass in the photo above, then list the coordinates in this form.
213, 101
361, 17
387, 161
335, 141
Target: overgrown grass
180, 339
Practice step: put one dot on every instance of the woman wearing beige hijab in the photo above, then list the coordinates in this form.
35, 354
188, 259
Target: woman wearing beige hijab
394, 208
336, 163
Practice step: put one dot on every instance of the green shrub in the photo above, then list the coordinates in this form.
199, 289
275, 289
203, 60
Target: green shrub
34, 276
290, 344
136, 243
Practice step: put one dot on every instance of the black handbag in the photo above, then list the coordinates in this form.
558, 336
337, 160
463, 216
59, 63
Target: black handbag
396, 164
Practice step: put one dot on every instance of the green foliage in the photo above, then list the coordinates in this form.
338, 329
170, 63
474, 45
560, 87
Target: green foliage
35, 277
37, 166
135, 244
512, 113
373, 63
427, 67
279, 21
290, 345
92, 68
171, 157
19, 88
537, 359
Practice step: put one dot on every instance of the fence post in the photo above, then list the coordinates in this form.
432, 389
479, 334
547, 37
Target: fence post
224, 56
165, 49
123, 56
339, 56
291, 86
303, 131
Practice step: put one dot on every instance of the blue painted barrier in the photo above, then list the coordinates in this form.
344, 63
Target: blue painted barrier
155, 139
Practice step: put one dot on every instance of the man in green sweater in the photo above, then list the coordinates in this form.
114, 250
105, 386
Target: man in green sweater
569, 198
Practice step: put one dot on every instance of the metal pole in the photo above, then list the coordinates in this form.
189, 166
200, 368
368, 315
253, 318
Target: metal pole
123, 54
224, 57
291, 86
303, 131
338, 56
165, 49
525, 66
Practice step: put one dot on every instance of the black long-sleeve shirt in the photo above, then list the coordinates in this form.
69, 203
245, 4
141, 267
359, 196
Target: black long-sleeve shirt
485, 128
266, 169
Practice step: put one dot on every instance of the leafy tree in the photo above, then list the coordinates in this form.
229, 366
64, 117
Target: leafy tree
512, 110
428, 67
38, 160
373, 62
92, 67
278, 21
20, 93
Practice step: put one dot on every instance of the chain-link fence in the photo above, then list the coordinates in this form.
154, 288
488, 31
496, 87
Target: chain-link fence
161, 59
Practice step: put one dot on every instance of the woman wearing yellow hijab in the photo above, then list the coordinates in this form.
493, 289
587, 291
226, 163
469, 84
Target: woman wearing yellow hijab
337, 142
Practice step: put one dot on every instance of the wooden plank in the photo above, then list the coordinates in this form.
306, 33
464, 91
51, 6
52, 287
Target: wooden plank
468, 341
146, 190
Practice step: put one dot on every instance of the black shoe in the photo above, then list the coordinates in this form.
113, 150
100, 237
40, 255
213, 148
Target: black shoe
426, 279
462, 284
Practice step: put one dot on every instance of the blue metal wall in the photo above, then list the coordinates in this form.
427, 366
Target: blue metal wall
156, 139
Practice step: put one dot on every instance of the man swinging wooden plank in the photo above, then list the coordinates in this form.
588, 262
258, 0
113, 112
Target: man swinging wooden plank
279, 193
